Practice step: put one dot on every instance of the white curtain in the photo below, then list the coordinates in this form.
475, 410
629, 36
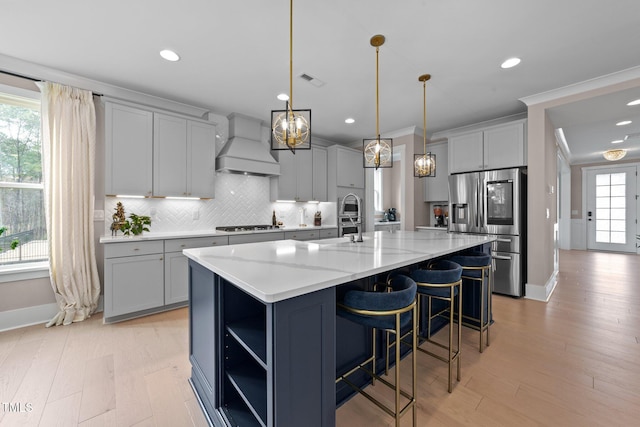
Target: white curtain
68, 146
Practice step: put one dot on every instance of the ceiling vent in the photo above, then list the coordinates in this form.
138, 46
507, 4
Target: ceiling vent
313, 80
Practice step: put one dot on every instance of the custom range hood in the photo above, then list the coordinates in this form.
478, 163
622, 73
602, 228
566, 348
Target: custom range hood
244, 152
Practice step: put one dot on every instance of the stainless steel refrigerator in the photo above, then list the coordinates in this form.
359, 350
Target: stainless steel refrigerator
494, 202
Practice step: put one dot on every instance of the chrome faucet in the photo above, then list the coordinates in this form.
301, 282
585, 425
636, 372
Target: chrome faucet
358, 222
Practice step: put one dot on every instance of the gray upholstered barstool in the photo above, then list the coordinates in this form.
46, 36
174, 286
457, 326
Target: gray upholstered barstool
441, 280
391, 310
476, 267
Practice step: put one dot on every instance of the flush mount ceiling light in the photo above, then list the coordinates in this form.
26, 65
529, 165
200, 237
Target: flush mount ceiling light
509, 63
613, 155
424, 165
283, 97
378, 152
635, 102
290, 129
169, 55
624, 123
349, 120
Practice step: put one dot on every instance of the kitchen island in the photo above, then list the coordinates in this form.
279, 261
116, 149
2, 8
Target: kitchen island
265, 343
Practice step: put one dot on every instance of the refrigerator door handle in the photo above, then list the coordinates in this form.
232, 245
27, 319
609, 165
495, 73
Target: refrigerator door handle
507, 258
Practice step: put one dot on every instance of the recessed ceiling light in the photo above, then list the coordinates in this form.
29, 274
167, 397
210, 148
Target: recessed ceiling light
349, 120
617, 141
623, 123
169, 55
635, 102
511, 62
283, 97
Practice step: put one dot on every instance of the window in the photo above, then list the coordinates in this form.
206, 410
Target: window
21, 188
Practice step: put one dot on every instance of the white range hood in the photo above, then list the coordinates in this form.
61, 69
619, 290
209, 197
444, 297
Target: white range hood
244, 152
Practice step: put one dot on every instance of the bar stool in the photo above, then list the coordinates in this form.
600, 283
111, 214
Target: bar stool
391, 311
441, 280
476, 267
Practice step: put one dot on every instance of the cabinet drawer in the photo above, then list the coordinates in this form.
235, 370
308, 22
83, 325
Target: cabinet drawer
255, 237
302, 235
177, 245
113, 250
328, 233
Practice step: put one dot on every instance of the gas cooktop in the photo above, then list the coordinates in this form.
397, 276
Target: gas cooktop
234, 228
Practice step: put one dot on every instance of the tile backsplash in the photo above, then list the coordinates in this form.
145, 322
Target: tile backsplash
240, 200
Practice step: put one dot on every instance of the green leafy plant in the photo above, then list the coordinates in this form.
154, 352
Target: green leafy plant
14, 242
136, 224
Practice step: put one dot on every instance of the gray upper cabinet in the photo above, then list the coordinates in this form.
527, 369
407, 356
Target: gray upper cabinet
128, 151
183, 157
436, 189
319, 174
350, 172
303, 176
495, 147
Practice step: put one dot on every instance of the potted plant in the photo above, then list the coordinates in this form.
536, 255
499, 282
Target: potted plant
136, 224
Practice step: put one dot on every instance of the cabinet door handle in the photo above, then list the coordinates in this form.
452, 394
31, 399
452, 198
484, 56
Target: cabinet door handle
136, 249
183, 246
214, 243
161, 258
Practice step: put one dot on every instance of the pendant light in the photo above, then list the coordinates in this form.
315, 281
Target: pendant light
378, 152
424, 165
290, 128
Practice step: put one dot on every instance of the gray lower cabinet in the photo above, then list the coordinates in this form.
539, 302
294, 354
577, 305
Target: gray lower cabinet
261, 364
176, 270
302, 235
328, 233
236, 239
144, 277
134, 278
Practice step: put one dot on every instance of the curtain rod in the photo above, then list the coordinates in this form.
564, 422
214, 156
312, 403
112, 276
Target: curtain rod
33, 79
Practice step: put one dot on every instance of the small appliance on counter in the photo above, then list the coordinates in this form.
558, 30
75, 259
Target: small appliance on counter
391, 214
438, 214
317, 219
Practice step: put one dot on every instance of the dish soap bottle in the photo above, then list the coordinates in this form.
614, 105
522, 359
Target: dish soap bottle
274, 221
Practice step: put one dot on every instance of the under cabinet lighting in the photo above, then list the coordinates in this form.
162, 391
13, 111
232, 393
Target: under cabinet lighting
181, 198
617, 141
635, 102
285, 201
624, 123
129, 196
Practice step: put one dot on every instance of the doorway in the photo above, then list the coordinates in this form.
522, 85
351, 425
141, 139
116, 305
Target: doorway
611, 208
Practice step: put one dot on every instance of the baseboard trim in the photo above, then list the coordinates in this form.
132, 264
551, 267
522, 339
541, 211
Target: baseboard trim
29, 316
542, 292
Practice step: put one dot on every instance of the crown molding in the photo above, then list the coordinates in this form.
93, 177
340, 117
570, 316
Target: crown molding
585, 86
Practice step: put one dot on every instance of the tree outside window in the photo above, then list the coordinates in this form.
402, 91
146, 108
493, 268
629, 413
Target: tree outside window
21, 188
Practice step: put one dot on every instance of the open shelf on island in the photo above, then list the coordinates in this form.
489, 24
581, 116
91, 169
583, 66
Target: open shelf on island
251, 384
252, 335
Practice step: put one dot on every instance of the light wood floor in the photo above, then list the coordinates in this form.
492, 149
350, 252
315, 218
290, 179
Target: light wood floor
574, 361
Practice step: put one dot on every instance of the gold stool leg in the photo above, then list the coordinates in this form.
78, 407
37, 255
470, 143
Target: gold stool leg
450, 361
459, 326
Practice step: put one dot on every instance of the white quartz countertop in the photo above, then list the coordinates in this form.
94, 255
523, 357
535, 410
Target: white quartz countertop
430, 227
278, 270
164, 235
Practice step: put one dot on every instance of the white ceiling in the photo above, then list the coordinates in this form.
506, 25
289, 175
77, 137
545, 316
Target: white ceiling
235, 56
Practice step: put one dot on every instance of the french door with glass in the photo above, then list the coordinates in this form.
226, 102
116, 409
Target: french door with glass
612, 209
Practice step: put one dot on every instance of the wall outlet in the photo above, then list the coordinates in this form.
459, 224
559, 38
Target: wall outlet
98, 215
